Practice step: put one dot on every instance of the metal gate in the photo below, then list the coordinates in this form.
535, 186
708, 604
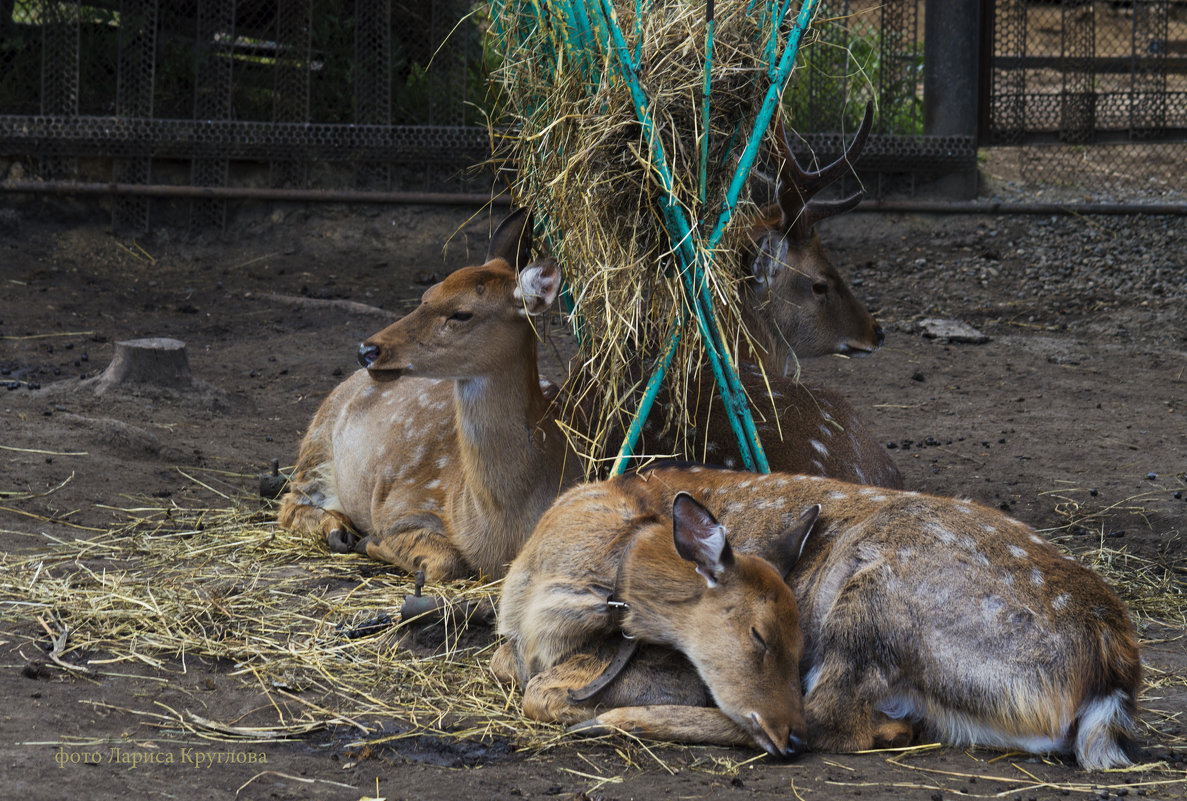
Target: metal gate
1062, 76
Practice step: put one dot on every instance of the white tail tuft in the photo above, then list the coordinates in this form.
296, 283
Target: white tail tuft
1104, 723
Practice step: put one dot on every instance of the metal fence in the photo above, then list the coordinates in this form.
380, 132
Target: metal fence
276, 93
1076, 85
382, 94
872, 50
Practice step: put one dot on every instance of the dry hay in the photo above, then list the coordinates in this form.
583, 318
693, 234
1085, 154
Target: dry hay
309, 628
319, 635
1154, 587
582, 161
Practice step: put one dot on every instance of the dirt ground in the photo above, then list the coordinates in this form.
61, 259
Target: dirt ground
1071, 417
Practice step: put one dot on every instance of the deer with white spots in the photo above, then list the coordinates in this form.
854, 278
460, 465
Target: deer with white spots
795, 305
918, 614
441, 454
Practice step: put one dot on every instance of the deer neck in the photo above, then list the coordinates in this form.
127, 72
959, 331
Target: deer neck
511, 459
661, 592
762, 346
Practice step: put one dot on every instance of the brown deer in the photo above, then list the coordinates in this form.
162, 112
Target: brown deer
699, 609
803, 429
917, 612
795, 302
442, 454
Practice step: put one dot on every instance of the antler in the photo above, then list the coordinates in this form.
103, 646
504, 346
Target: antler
797, 186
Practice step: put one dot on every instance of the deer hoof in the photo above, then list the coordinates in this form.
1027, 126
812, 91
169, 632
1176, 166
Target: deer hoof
341, 541
593, 727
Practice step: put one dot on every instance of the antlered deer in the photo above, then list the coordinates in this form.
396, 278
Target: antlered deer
796, 304
441, 454
917, 612
683, 588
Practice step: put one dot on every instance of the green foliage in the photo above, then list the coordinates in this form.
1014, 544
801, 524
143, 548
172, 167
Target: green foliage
852, 61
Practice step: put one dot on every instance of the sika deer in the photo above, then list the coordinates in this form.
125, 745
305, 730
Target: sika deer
796, 304
810, 430
441, 454
683, 594
917, 612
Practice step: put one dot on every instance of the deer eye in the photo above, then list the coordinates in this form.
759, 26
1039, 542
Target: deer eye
461, 316
758, 638
820, 289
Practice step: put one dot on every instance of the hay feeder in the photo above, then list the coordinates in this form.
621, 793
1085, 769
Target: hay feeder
636, 127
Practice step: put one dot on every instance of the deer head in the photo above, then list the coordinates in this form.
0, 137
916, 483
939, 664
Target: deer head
736, 620
798, 304
477, 320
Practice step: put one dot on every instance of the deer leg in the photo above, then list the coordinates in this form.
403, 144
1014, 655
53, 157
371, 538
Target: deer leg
546, 696
891, 732
298, 514
655, 678
417, 542
307, 506
838, 716
698, 725
502, 665
843, 708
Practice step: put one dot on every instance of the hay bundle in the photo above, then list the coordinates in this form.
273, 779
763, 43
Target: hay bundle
583, 160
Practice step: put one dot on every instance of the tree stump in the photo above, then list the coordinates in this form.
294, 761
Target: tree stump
158, 361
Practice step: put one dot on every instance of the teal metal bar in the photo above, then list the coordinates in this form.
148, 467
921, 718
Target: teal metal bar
690, 265
653, 385
762, 121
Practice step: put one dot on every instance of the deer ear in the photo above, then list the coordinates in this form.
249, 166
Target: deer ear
539, 283
700, 539
772, 254
786, 550
512, 240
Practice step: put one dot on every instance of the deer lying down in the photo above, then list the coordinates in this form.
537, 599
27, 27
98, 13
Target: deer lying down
730, 615
795, 305
803, 429
441, 454
917, 612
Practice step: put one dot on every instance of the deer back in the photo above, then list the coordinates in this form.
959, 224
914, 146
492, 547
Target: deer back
966, 618
803, 429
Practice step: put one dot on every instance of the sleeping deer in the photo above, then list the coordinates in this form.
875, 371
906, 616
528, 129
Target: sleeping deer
699, 609
917, 613
441, 454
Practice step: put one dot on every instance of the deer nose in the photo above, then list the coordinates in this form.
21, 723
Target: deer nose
368, 354
795, 744
879, 336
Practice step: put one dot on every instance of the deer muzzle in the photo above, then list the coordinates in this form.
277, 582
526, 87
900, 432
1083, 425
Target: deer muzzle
367, 354
776, 740
370, 356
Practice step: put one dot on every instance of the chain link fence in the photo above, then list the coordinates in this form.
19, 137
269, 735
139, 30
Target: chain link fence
382, 95
1091, 96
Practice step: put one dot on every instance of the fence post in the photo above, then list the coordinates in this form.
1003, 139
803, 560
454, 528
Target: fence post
951, 54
